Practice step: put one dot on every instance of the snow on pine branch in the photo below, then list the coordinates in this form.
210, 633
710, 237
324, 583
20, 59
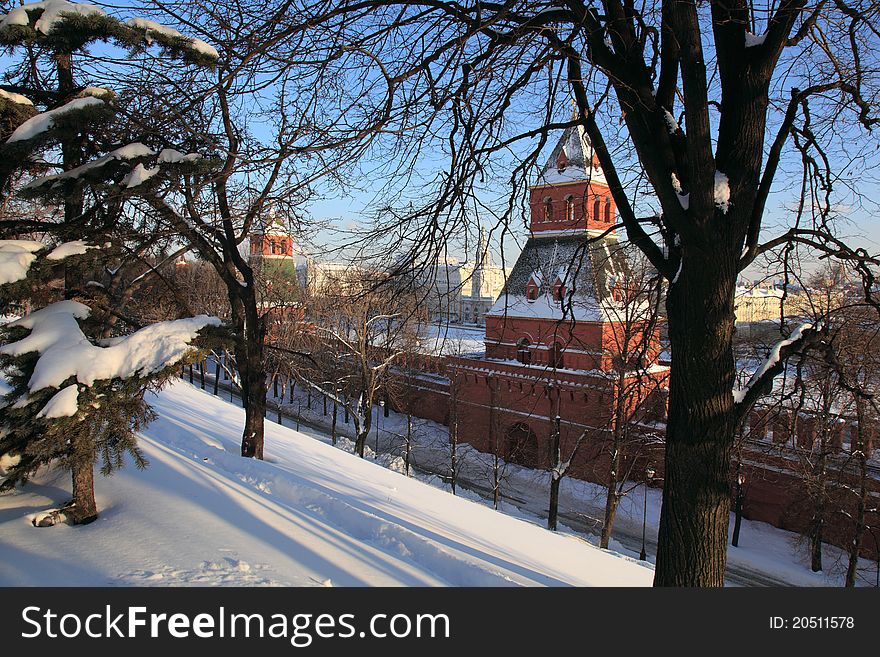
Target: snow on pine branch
17, 256
775, 355
139, 175
128, 152
18, 99
44, 121
152, 30
171, 156
65, 352
64, 403
53, 12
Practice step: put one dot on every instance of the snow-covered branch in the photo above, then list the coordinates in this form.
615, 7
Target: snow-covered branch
801, 338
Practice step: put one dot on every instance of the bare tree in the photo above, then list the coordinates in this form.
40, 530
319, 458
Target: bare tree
713, 105
249, 176
356, 333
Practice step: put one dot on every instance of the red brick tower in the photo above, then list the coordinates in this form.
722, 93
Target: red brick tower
272, 241
553, 334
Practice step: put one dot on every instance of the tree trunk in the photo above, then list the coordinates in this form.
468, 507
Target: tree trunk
738, 514
553, 515
692, 540
453, 430
816, 545
83, 509
408, 455
612, 498
612, 501
366, 422
249, 359
495, 443
333, 423
817, 526
859, 533
556, 474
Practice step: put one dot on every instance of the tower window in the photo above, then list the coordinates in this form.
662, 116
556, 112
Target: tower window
597, 209
548, 209
607, 211
569, 208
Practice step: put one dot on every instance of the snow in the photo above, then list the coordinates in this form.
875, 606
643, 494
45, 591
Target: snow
722, 191
310, 515
128, 152
677, 273
53, 12
8, 461
767, 555
151, 27
754, 39
448, 340
40, 123
97, 92
131, 151
740, 393
65, 351
171, 156
683, 199
15, 98
671, 123
62, 251
63, 403
16, 257
139, 175
546, 307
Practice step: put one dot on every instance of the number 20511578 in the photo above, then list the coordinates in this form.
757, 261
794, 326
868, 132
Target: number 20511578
812, 623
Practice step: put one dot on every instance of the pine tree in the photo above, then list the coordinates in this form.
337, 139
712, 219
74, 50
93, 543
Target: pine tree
89, 414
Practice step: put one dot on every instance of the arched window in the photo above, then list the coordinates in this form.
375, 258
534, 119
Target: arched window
523, 355
548, 209
607, 211
555, 355
569, 208
521, 445
597, 209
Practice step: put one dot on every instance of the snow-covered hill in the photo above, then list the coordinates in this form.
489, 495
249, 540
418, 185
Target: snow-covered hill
310, 515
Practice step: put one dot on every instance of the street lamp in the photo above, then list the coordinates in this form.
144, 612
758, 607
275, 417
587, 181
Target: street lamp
379, 415
649, 475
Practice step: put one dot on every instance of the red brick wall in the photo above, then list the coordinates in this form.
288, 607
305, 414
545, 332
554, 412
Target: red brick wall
581, 341
774, 492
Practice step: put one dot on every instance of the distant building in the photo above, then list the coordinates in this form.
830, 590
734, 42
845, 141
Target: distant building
754, 304
462, 293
